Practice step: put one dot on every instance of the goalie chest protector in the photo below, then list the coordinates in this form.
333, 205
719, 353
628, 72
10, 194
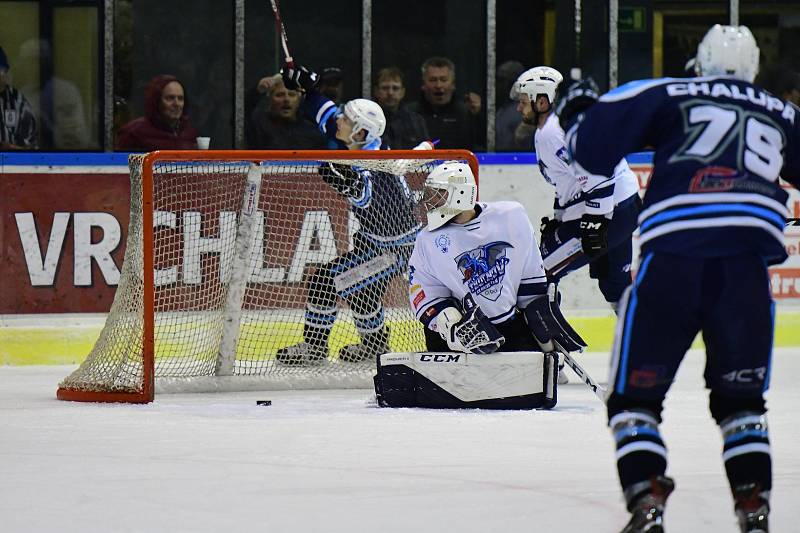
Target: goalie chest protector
449, 380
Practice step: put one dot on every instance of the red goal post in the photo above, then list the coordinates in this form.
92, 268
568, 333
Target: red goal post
204, 299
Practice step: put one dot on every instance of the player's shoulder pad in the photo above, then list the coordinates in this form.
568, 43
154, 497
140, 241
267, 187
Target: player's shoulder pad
634, 88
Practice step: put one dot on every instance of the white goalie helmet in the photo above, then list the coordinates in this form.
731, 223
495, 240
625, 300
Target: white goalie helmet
365, 115
450, 189
536, 81
728, 50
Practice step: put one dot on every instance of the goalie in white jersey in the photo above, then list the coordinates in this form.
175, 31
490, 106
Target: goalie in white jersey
477, 282
594, 217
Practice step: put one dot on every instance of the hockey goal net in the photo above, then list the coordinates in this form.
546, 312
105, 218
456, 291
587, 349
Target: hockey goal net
225, 271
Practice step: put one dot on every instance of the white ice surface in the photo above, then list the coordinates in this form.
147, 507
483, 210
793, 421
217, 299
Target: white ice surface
328, 461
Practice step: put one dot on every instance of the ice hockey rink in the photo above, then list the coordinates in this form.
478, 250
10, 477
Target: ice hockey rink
331, 461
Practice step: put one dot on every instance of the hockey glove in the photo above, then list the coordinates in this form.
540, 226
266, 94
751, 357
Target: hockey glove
549, 327
298, 77
470, 332
594, 235
548, 228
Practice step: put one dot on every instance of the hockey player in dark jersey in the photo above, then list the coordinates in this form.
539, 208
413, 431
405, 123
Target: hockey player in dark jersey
712, 221
383, 206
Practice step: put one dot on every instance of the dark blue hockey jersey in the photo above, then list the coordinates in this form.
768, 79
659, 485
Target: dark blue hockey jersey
381, 201
720, 145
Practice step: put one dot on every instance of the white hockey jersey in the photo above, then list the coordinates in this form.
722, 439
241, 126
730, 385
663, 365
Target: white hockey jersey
494, 257
576, 195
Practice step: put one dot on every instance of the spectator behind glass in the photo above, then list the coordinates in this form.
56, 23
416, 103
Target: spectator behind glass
455, 123
57, 102
276, 124
17, 121
508, 122
404, 129
164, 125
331, 84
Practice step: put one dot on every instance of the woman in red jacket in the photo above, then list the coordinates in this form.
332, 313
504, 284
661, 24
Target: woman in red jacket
164, 125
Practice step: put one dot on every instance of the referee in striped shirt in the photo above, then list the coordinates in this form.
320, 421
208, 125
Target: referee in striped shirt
17, 120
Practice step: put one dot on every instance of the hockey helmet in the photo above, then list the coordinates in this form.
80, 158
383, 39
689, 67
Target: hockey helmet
450, 189
365, 115
728, 50
536, 81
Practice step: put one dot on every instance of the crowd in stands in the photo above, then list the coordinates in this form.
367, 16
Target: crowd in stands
274, 120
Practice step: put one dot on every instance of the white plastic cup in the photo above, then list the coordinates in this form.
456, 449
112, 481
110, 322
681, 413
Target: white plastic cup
203, 142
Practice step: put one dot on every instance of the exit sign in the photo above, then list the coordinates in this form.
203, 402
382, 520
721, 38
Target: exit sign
632, 19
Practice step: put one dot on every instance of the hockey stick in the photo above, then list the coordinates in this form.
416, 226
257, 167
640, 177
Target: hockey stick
792, 222
597, 389
282, 31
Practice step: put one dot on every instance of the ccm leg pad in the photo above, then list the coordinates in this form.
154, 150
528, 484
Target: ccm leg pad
448, 380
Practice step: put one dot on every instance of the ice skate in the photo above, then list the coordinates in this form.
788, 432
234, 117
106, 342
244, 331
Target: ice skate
562, 376
301, 354
648, 511
368, 350
752, 509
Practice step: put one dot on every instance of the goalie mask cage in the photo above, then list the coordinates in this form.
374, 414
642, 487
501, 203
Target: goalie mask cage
220, 249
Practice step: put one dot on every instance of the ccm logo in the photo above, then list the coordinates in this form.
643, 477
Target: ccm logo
590, 225
440, 357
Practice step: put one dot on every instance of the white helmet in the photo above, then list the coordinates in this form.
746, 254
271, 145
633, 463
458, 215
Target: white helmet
728, 50
366, 115
450, 189
536, 81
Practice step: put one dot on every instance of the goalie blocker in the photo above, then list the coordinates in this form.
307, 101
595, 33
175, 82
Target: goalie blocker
452, 380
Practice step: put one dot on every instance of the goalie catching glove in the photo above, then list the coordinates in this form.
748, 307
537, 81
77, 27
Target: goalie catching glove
471, 332
549, 327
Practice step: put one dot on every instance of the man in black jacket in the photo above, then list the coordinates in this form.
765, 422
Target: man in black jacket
404, 129
275, 123
455, 123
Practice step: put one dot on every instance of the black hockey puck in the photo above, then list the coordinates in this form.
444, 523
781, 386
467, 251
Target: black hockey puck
263, 402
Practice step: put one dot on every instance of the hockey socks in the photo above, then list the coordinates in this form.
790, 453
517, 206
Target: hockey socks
746, 453
641, 454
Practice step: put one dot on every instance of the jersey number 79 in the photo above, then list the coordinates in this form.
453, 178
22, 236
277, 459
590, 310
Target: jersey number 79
714, 128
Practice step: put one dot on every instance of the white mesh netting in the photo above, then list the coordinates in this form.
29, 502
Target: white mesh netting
277, 274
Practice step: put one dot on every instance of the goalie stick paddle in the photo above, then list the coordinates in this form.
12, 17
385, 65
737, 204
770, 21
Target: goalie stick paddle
597, 389
282, 31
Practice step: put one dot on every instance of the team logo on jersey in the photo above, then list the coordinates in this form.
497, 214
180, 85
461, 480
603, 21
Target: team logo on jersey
442, 242
484, 268
718, 179
563, 155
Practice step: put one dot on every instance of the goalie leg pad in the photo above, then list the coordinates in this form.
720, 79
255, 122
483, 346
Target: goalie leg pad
437, 380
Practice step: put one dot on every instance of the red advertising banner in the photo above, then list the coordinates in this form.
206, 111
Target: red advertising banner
63, 232
62, 237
